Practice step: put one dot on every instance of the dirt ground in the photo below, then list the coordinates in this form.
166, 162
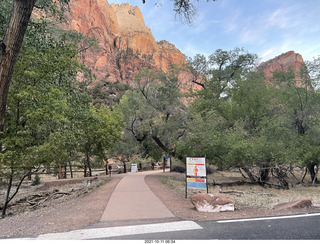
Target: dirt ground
175, 201
82, 203
67, 213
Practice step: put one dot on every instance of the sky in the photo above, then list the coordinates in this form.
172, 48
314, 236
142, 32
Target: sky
267, 28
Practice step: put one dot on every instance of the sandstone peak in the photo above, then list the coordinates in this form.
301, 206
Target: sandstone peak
127, 8
282, 63
130, 19
126, 44
167, 45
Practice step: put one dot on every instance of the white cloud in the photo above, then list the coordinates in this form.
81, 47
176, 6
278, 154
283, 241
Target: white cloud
267, 54
278, 18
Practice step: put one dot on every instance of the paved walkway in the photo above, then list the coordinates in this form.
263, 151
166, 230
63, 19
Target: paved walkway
132, 209
132, 199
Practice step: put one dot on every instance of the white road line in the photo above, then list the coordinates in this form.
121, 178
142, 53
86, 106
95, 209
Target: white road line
269, 218
87, 234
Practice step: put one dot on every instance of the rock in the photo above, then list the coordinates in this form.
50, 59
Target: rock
212, 202
126, 44
282, 63
297, 204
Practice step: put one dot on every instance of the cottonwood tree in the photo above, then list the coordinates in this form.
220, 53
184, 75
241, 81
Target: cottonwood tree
300, 99
232, 131
45, 103
232, 115
101, 129
11, 43
154, 113
37, 109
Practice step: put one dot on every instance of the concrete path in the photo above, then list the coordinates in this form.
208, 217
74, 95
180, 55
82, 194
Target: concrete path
133, 209
132, 199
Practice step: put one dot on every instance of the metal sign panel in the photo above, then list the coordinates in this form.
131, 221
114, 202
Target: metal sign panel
134, 168
196, 173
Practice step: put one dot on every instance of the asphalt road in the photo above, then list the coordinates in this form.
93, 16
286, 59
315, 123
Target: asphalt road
297, 227
301, 227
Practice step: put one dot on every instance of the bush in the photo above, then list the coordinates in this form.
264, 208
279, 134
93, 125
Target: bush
209, 170
36, 180
178, 169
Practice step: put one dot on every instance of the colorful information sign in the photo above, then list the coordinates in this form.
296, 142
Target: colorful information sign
196, 173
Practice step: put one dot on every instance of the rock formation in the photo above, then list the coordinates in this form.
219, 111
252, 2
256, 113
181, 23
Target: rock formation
126, 44
282, 63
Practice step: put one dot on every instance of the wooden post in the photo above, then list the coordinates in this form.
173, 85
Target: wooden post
163, 164
110, 169
59, 176
85, 171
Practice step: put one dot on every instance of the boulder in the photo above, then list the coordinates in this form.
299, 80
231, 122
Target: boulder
212, 203
296, 204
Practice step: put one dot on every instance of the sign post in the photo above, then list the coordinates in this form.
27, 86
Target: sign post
166, 162
196, 175
133, 168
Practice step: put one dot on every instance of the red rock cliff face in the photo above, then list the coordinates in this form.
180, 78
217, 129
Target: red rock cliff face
126, 44
282, 63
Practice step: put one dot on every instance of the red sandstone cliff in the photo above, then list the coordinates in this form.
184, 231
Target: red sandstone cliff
282, 63
126, 44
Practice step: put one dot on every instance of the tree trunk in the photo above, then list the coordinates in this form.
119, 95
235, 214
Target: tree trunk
65, 171
280, 174
250, 175
70, 168
163, 147
264, 173
7, 200
10, 48
88, 163
312, 172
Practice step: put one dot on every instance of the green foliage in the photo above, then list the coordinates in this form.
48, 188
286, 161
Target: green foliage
36, 181
49, 118
108, 93
239, 119
154, 114
53, 8
5, 8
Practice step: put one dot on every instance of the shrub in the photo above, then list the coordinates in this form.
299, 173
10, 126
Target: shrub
36, 180
178, 169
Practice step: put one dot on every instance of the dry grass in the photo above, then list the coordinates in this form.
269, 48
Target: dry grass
246, 195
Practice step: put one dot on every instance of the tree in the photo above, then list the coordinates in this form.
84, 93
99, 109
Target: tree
39, 112
154, 114
101, 129
233, 117
11, 44
10, 48
300, 99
